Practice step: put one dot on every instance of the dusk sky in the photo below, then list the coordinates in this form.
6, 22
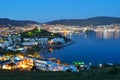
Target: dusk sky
47, 10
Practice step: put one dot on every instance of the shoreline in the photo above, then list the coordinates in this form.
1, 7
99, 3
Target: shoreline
63, 45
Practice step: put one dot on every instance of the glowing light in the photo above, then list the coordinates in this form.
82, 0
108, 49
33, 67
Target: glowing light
50, 42
52, 34
51, 50
24, 66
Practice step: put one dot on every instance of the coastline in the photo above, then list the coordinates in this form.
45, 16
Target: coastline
63, 45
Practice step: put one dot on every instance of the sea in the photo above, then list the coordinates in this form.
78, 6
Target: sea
95, 47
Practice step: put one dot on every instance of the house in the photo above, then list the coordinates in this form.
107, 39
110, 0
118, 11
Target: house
1, 57
38, 40
2, 45
29, 43
46, 65
71, 68
4, 64
58, 40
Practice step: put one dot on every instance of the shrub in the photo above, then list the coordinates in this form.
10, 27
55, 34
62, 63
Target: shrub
114, 70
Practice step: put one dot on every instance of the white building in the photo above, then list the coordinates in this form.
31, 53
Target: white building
46, 65
39, 40
4, 44
58, 40
29, 43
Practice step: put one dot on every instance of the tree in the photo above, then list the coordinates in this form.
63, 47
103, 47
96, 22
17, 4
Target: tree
36, 54
12, 65
114, 70
34, 68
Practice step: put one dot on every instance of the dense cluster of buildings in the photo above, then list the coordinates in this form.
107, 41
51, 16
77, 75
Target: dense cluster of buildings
26, 63
9, 39
73, 29
5, 30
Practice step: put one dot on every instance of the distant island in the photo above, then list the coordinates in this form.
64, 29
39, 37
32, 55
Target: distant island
103, 20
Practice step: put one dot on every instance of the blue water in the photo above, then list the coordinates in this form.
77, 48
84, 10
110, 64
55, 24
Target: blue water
94, 47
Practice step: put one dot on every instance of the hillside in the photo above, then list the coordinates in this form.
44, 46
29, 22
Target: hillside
79, 22
41, 33
99, 74
85, 22
7, 21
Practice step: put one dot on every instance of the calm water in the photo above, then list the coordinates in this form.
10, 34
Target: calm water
97, 48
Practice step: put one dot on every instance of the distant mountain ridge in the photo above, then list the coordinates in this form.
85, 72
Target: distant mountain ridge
101, 20
7, 21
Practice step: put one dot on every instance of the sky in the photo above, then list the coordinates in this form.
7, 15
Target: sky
48, 10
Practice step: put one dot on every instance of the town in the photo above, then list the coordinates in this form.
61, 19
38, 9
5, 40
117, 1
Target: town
19, 46
59, 40
19, 51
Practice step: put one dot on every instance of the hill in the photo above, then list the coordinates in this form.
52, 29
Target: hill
7, 21
85, 22
41, 33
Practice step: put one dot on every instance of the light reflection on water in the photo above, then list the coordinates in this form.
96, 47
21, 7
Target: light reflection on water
99, 47
107, 35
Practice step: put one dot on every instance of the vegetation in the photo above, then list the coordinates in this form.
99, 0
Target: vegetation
10, 52
40, 75
41, 33
80, 22
6, 21
87, 22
